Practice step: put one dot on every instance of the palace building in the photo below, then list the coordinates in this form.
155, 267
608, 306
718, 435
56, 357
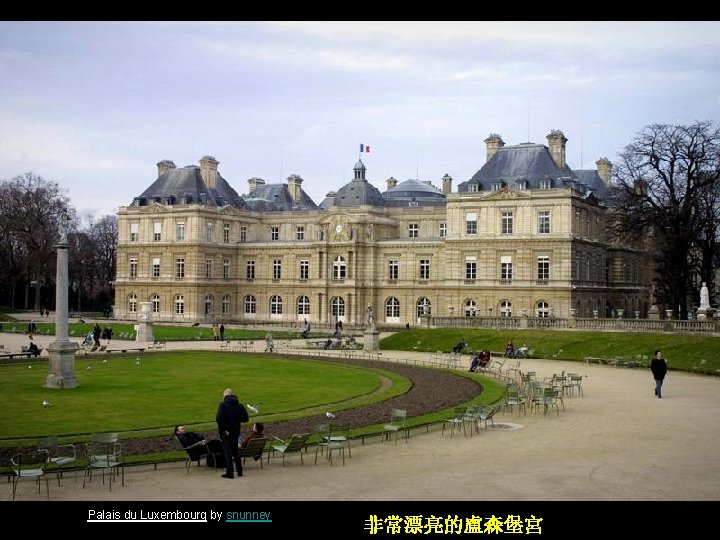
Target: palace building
524, 237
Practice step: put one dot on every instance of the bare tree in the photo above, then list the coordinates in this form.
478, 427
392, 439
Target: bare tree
664, 185
30, 211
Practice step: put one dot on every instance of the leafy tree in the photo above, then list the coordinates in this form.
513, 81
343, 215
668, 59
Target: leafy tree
666, 193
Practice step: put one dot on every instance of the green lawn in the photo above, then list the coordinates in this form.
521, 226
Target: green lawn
682, 351
178, 387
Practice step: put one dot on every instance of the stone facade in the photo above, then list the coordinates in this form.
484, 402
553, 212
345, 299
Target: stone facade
528, 246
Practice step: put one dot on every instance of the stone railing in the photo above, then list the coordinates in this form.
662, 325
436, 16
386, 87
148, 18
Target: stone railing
587, 324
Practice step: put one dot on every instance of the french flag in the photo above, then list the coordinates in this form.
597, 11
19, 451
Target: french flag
364, 148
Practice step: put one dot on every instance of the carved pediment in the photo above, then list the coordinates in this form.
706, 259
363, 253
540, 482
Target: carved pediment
504, 194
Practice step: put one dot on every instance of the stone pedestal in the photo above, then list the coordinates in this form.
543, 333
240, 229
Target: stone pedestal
371, 340
145, 325
654, 313
62, 365
705, 314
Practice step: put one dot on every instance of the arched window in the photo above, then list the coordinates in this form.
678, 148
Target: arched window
542, 310
424, 307
250, 305
179, 304
392, 309
470, 308
303, 305
208, 304
226, 304
276, 305
132, 303
337, 307
339, 268
505, 308
155, 299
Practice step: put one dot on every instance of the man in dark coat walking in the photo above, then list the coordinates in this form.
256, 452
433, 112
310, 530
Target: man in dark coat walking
658, 366
230, 416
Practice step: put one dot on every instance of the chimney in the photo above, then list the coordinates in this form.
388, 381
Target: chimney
294, 182
164, 166
494, 143
604, 169
556, 143
447, 184
255, 182
391, 183
208, 171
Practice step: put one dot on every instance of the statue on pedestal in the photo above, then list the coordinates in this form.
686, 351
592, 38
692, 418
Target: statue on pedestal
370, 317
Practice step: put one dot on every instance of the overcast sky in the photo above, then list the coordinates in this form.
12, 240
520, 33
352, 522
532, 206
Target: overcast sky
94, 106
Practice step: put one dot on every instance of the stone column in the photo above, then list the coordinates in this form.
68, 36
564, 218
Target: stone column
62, 350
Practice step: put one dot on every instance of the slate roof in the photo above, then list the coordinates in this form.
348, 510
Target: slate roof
411, 191
185, 185
276, 198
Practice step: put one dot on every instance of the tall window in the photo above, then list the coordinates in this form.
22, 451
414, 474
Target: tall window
226, 305
208, 304
208, 268
542, 310
134, 232
250, 304
507, 222
544, 222
443, 230
339, 268
132, 303
300, 233
180, 267
276, 305
243, 233
392, 308
470, 308
393, 269
157, 231
303, 305
413, 230
304, 269
505, 309
274, 233
471, 223
424, 268
180, 232
470, 268
226, 268
277, 268
179, 304
209, 229
337, 307
543, 268
226, 233
156, 267
250, 269
155, 299
423, 307
506, 271
133, 267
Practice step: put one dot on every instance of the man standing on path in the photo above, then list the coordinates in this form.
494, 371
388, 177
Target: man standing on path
658, 366
230, 416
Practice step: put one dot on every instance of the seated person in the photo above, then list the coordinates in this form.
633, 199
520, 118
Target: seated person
328, 344
258, 430
459, 346
188, 438
509, 349
475, 362
33, 349
484, 358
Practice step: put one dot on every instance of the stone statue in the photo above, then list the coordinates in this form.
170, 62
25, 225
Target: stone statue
63, 228
370, 315
704, 297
